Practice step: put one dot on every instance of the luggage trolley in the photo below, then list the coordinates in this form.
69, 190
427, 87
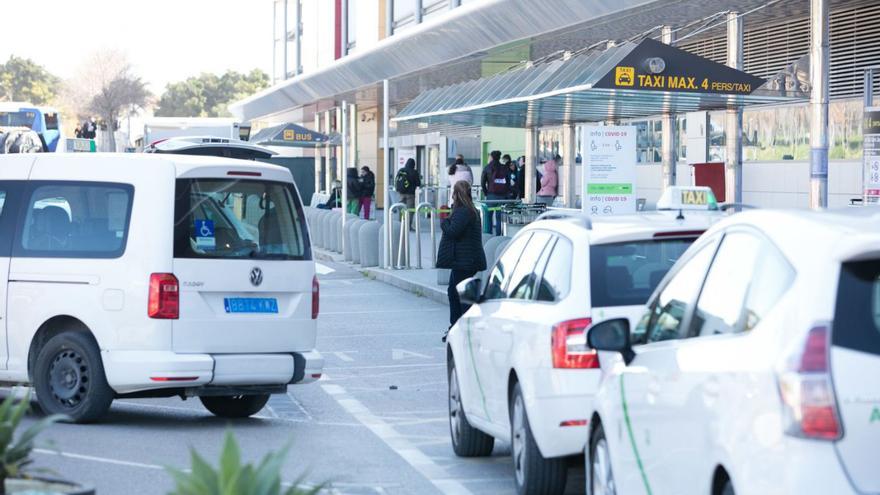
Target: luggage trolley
515, 216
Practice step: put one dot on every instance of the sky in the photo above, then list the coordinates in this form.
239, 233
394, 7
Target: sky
165, 40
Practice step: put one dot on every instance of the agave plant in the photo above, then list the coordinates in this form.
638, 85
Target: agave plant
15, 451
234, 478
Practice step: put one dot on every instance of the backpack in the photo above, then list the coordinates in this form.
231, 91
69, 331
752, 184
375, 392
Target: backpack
401, 182
498, 180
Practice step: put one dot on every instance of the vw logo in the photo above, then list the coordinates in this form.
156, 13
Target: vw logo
256, 277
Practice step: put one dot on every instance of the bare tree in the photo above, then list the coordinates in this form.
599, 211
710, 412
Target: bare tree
105, 86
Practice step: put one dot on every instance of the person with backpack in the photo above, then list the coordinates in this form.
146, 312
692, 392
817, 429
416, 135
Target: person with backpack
461, 246
367, 188
353, 193
495, 182
406, 182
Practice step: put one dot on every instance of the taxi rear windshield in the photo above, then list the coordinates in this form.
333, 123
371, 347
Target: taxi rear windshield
239, 219
626, 274
857, 313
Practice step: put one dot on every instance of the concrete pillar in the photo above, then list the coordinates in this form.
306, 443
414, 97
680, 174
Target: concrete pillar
569, 159
734, 117
352, 135
286, 37
454, 3
386, 169
418, 13
340, 160
343, 117
667, 145
330, 173
531, 164
819, 54
318, 155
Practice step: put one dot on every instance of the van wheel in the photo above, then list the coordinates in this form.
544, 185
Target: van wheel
535, 474
235, 406
467, 441
69, 378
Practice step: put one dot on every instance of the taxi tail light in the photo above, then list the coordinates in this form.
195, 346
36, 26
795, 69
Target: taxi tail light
164, 300
316, 297
569, 345
809, 404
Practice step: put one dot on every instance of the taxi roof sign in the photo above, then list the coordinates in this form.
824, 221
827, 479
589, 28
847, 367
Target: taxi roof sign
688, 198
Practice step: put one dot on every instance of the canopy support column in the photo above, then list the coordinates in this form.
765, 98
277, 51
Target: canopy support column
386, 170
353, 135
531, 165
569, 159
330, 170
343, 114
667, 145
819, 103
318, 178
734, 118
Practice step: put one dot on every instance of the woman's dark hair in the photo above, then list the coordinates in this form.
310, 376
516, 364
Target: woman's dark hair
451, 169
461, 196
459, 159
496, 155
506, 156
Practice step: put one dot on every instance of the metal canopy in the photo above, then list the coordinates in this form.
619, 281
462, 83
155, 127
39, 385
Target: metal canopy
292, 135
626, 81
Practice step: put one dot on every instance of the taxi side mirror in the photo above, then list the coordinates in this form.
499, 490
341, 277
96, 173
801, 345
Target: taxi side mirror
612, 335
469, 290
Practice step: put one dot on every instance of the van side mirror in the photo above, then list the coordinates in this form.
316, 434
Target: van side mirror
612, 335
469, 290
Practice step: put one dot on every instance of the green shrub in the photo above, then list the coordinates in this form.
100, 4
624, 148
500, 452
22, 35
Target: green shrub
234, 478
15, 451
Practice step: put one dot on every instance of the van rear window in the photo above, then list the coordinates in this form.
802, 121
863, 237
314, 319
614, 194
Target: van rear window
626, 274
857, 313
239, 219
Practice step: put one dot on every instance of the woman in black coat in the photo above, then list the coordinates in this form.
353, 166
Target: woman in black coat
461, 247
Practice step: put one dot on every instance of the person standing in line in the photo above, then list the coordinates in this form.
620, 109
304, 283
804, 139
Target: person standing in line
549, 181
78, 132
367, 189
495, 182
353, 194
461, 246
406, 182
514, 176
459, 171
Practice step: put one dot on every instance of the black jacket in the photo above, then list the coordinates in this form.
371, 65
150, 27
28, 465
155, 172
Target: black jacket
461, 246
353, 184
368, 185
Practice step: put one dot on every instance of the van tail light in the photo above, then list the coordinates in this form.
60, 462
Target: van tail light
809, 403
164, 302
569, 345
316, 297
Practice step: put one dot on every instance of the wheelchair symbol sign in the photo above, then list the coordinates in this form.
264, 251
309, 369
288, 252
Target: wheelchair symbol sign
205, 234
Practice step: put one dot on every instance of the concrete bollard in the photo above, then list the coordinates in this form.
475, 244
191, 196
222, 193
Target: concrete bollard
316, 228
501, 245
336, 234
368, 241
491, 247
356, 241
327, 228
486, 238
351, 225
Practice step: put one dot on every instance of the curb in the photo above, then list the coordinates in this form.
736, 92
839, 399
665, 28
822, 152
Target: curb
324, 255
433, 293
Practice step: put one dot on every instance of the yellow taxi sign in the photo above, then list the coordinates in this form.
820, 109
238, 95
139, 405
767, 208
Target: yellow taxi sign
687, 198
624, 76
289, 135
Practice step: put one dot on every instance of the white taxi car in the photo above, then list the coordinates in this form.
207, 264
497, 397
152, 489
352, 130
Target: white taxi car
518, 367
755, 370
136, 275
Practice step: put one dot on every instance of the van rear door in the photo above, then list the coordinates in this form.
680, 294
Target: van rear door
243, 261
855, 369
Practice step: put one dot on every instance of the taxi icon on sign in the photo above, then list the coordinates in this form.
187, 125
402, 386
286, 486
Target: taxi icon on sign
624, 76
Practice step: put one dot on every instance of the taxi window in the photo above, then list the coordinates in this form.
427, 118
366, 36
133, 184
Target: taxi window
2, 200
857, 312
722, 300
498, 277
525, 277
556, 279
667, 312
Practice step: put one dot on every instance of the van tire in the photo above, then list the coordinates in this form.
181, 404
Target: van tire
69, 378
235, 406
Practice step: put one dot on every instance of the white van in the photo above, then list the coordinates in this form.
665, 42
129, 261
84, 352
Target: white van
130, 275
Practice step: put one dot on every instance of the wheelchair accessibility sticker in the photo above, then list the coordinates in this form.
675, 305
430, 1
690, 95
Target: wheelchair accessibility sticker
205, 234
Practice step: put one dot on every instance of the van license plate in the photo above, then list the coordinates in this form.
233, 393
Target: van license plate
250, 305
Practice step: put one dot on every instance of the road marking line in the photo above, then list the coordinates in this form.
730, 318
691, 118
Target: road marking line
400, 354
430, 470
323, 269
381, 311
374, 335
384, 366
104, 460
343, 355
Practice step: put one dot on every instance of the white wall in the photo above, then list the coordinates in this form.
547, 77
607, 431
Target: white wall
783, 184
318, 44
366, 24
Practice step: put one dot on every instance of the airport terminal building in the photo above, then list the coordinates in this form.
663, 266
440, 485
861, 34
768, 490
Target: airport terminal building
334, 54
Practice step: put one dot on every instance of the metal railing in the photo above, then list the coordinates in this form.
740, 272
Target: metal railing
389, 233
431, 210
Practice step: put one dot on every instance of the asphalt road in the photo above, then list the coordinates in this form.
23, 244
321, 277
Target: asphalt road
375, 423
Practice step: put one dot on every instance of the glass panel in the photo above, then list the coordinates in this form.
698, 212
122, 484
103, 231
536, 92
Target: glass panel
221, 218
556, 280
626, 274
857, 315
77, 220
495, 288
525, 277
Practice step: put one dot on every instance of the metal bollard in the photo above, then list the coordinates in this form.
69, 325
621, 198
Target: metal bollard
389, 233
419, 209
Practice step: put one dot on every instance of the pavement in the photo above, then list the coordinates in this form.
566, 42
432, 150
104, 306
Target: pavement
375, 423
